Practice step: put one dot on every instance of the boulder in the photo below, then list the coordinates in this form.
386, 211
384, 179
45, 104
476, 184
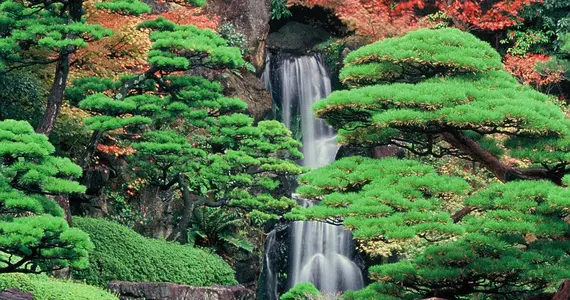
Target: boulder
15, 294
245, 86
251, 90
171, 291
250, 18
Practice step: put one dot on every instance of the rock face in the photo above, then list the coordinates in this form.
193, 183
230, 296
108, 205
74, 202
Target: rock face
251, 18
273, 281
297, 38
251, 90
15, 294
170, 291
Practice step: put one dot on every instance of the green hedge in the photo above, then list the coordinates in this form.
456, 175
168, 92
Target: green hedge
122, 254
45, 288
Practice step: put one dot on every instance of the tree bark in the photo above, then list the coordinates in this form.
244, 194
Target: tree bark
57, 91
179, 234
503, 172
55, 98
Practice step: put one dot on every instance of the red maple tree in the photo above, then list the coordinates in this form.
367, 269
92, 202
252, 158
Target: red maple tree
525, 69
384, 18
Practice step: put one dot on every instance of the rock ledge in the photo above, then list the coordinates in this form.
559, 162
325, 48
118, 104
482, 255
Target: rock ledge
171, 291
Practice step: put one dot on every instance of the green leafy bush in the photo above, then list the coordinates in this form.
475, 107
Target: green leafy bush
219, 230
23, 95
232, 36
301, 291
18, 281
46, 288
198, 3
279, 9
122, 254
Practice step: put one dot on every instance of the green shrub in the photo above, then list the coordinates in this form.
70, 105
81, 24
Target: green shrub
122, 254
18, 281
46, 288
301, 291
234, 38
198, 3
279, 10
22, 97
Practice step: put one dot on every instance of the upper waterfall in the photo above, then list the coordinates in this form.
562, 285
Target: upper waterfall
301, 82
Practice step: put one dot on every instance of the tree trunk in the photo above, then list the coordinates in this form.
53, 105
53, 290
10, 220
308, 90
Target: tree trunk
55, 98
503, 172
179, 233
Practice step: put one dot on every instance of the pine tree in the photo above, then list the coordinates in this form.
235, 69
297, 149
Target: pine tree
186, 135
444, 92
34, 235
513, 243
36, 33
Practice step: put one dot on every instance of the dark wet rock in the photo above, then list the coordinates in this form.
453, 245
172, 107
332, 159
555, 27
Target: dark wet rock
273, 279
171, 291
297, 38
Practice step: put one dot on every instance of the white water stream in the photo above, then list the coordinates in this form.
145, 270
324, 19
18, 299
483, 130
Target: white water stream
319, 252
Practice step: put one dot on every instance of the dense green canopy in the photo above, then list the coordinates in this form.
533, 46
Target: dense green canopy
185, 134
513, 242
34, 235
445, 85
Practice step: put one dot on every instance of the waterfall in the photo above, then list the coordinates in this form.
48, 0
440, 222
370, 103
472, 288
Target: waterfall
320, 255
302, 81
318, 252
270, 276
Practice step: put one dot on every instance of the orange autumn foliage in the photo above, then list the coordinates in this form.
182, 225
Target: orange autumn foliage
385, 18
115, 150
375, 18
484, 14
184, 15
125, 52
524, 68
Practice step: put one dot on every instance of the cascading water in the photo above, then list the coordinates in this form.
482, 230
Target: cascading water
319, 252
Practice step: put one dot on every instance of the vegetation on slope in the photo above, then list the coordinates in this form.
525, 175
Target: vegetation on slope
122, 254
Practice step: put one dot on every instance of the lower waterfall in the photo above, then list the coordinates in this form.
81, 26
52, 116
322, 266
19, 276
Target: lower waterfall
318, 252
320, 255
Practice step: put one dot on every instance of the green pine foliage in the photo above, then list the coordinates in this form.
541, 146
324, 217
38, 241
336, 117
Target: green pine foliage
512, 244
46, 288
122, 254
198, 3
301, 291
436, 93
441, 85
182, 46
385, 199
42, 27
33, 233
186, 135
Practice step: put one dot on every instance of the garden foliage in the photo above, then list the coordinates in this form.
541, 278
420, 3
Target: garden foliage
122, 254
34, 235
